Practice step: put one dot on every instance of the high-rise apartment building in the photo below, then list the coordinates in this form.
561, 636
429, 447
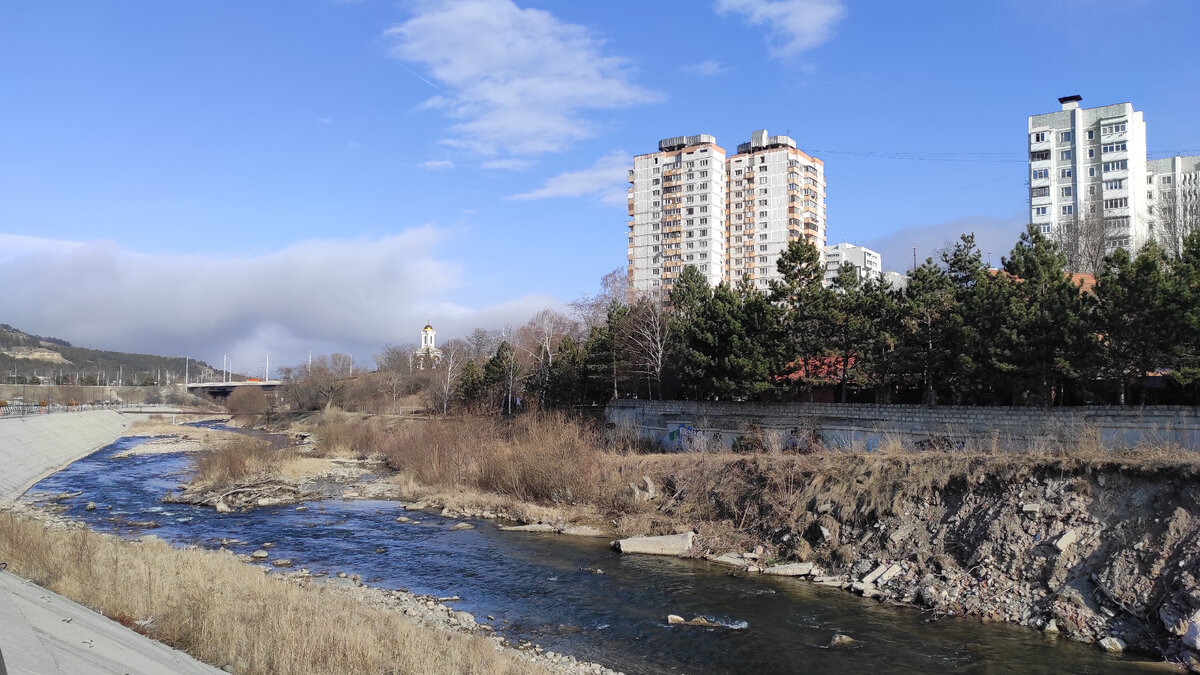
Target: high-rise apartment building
1089, 164
729, 216
1088, 173
866, 262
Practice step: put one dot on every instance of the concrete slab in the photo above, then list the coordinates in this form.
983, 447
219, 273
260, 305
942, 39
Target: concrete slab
43, 633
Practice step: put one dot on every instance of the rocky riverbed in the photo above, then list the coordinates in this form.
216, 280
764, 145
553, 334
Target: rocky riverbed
1096, 554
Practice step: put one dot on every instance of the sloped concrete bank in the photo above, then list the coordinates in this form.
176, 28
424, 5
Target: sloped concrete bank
35, 446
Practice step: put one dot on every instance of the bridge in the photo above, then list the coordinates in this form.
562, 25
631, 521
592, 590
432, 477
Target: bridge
224, 389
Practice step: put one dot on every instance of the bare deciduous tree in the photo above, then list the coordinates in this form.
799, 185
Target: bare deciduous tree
1086, 239
647, 335
1174, 219
592, 310
444, 378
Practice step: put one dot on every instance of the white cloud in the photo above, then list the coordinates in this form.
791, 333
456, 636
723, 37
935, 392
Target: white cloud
519, 81
437, 165
705, 68
506, 164
792, 25
324, 121
605, 180
350, 295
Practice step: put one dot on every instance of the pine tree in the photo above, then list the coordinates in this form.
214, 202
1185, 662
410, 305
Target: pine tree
689, 300
1131, 312
1049, 330
799, 331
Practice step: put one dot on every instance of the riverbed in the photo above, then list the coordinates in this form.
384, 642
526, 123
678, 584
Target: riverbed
569, 595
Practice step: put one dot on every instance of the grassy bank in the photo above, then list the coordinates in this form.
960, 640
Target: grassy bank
222, 611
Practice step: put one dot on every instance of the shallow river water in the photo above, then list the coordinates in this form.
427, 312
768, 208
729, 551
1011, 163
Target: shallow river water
543, 588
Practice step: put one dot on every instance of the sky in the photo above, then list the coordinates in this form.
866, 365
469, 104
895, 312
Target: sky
242, 178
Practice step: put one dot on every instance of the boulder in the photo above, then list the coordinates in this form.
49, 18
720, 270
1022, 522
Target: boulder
1065, 540
649, 487
1051, 627
676, 620
259, 554
91, 506
222, 507
464, 618
882, 574
404, 519
670, 544
842, 640
532, 527
1112, 644
582, 531
281, 562
415, 506
1191, 633
463, 526
727, 559
803, 569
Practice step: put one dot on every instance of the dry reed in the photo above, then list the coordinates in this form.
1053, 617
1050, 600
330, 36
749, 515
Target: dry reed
224, 612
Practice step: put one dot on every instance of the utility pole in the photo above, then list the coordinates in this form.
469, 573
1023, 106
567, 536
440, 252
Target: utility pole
267, 368
186, 362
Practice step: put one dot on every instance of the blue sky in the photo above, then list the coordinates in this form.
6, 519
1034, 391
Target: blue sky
227, 177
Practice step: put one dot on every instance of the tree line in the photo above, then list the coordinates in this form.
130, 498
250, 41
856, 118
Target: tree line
1028, 333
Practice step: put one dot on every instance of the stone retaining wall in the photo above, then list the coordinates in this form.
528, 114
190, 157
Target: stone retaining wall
680, 423
35, 446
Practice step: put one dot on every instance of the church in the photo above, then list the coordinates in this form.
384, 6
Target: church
427, 355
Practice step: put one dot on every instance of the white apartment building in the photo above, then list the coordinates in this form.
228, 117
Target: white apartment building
730, 217
1174, 199
866, 262
1089, 165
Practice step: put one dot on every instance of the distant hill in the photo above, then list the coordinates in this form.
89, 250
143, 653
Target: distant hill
24, 357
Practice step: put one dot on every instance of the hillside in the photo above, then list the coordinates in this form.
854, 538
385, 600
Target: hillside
24, 357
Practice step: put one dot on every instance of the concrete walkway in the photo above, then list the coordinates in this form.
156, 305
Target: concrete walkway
43, 633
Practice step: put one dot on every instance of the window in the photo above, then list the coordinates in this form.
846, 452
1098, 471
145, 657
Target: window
762, 214
1066, 191
1091, 189
1068, 210
1040, 192
1119, 203
1040, 210
1166, 180
1064, 173
1091, 152
1039, 137
762, 180
1039, 156
1113, 147
1118, 184
1065, 154
1091, 134
1113, 128
1091, 171
762, 258
1039, 174
1065, 136
1120, 165
1046, 228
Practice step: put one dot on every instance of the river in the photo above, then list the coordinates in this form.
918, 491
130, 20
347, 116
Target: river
546, 588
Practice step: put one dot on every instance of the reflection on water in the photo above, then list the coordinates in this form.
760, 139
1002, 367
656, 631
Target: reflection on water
572, 595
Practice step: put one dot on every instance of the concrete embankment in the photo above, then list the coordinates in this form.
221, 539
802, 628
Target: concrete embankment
43, 632
35, 446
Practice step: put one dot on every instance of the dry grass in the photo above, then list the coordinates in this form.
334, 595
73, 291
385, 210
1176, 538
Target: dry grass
224, 612
547, 459
238, 459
